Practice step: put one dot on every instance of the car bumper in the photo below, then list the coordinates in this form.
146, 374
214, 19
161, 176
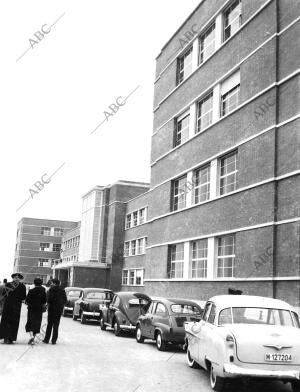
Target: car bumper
68, 309
91, 314
231, 370
128, 327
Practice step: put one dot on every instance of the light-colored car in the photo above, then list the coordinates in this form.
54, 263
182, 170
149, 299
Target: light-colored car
246, 336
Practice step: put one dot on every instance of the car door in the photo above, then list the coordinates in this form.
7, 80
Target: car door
146, 320
209, 335
158, 317
112, 309
201, 333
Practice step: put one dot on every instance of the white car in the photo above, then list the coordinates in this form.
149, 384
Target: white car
246, 336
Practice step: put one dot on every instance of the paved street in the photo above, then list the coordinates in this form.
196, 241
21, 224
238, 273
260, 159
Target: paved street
88, 359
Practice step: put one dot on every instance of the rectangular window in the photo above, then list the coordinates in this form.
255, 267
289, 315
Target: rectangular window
232, 19
230, 100
58, 232
135, 218
56, 247
142, 216
139, 277
226, 255
131, 277
140, 246
207, 44
133, 248
202, 184
45, 230
177, 260
178, 192
228, 173
128, 221
205, 112
45, 246
125, 277
199, 259
184, 65
126, 249
43, 263
181, 133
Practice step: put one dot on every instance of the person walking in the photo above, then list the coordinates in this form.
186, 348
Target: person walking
36, 301
56, 299
15, 293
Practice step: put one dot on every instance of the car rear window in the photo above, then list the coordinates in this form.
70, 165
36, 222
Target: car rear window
185, 309
74, 293
95, 295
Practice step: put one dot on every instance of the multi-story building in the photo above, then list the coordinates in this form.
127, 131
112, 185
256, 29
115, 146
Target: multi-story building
38, 247
223, 204
93, 252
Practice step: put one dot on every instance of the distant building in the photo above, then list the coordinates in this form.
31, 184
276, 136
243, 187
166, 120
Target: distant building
97, 261
38, 246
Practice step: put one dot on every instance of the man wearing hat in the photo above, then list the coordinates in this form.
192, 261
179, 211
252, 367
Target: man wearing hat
15, 293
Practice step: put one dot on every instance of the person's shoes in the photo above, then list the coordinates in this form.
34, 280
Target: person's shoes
5, 341
9, 341
53, 342
45, 341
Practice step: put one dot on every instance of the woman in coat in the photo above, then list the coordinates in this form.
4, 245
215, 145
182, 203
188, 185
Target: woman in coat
36, 301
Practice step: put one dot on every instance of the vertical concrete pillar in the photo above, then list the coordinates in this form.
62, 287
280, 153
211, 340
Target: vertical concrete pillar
192, 122
214, 179
219, 31
186, 264
211, 257
216, 102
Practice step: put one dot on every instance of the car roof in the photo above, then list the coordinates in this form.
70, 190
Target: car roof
183, 301
73, 288
223, 301
87, 289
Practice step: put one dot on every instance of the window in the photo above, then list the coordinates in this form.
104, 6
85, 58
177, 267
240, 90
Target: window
135, 218
45, 230
139, 277
125, 277
199, 259
43, 262
206, 311
232, 19
205, 112
133, 248
226, 255
230, 100
160, 308
126, 249
212, 314
184, 65
131, 277
58, 232
178, 194
142, 216
45, 246
176, 260
56, 247
140, 246
128, 221
181, 129
202, 184
207, 44
228, 172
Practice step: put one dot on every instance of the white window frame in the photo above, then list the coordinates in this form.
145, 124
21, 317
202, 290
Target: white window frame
200, 260
175, 261
180, 194
184, 131
47, 248
221, 258
223, 189
200, 185
232, 6
208, 113
125, 279
43, 261
48, 230
203, 48
187, 69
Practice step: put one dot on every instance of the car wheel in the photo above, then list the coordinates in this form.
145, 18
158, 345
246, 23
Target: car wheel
74, 317
139, 337
82, 318
160, 343
102, 325
217, 383
117, 329
191, 362
296, 386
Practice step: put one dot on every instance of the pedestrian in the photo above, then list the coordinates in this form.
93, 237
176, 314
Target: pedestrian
56, 299
15, 293
36, 301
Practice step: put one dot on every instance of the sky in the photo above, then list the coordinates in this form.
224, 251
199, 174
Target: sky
55, 90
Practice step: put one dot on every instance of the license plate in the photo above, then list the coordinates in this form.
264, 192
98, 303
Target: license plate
278, 357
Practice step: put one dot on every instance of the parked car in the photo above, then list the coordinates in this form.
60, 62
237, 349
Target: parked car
164, 321
87, 306
246, 336
123, 312
73, 294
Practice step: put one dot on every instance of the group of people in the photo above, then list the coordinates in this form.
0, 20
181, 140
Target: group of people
13, 294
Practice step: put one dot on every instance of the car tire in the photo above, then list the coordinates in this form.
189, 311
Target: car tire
74, 317
102, 325
82, 318
161, 344
139, 337
296, 386
217, 383
191, 362
117, 329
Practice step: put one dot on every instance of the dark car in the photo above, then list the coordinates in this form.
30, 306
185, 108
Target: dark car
73, 293
164, 321
87, 306
123, 312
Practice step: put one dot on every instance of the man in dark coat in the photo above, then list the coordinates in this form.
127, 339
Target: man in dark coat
56, 299
15, 293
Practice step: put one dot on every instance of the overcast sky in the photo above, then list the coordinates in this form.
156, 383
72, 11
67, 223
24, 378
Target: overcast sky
56, 94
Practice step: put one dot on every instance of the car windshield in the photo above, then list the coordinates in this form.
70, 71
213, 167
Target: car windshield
136, 302
260, 316
95, 295
74, 293
183, 308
